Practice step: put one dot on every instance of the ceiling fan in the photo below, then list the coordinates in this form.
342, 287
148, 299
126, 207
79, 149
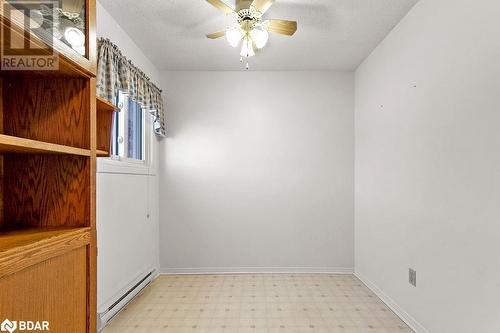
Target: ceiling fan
248, 27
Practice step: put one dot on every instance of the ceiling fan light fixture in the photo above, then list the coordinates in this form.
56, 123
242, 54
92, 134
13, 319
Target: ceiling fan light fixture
234, 36
248, 27
247, 47
260, 36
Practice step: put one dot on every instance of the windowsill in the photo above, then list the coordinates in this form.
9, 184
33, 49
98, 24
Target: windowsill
117, 166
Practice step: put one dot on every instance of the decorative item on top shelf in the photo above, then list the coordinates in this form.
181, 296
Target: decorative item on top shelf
65, 20
68, 23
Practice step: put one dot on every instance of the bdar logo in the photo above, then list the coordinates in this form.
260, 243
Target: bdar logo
8, 326
21, 325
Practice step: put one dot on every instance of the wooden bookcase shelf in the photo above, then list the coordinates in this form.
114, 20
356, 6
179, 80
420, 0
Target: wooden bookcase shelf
105, 106
102, 153
12, 144
25, 247
105, 119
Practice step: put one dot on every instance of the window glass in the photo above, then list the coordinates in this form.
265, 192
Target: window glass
135, 131
128, 131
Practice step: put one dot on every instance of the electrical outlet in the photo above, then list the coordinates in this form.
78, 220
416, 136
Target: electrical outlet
413, 277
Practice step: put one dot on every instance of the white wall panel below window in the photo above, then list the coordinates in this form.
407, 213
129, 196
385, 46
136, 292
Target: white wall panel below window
127, 247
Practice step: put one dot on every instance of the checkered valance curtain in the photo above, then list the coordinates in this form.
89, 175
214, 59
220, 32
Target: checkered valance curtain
115, 73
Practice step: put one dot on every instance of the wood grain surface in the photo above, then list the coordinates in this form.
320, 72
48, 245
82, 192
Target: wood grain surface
23, 248
46, 191
53, 111
48, 148
14, 144
54, 290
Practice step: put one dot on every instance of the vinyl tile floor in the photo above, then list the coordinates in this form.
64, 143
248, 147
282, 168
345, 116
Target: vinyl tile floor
257, 303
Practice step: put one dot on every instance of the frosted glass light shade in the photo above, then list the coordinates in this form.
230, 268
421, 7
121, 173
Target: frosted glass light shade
247, 48
234, 36
260, 36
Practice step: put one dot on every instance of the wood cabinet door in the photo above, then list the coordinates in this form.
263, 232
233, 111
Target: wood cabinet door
54, 291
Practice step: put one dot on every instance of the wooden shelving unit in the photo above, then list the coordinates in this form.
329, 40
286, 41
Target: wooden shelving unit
105, 117
16, 241
23, 248
103, 105
48, 150
12, 144
102, 153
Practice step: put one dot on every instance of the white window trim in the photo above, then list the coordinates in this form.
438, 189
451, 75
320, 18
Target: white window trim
124, 165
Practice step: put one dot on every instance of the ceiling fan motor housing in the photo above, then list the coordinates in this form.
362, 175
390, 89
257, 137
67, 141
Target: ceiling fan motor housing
243, 4
249, 17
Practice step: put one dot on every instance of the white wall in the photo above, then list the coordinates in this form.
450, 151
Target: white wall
257, 172
127, 238
107, 27
428, 166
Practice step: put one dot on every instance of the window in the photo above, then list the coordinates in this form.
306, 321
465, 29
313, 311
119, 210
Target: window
129, 132
132, 143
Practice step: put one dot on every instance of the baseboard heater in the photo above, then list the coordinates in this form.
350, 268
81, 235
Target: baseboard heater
103, 318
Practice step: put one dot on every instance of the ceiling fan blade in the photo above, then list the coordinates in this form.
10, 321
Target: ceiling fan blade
216, 35
282, 27
221, 5
262, 5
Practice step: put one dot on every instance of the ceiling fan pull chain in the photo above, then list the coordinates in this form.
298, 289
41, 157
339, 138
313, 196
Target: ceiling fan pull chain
247, 65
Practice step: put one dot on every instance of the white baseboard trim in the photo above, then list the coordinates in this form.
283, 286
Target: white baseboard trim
408, 319
256, 270
105, 316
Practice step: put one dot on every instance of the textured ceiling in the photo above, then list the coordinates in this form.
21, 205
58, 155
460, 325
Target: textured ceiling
332, 34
